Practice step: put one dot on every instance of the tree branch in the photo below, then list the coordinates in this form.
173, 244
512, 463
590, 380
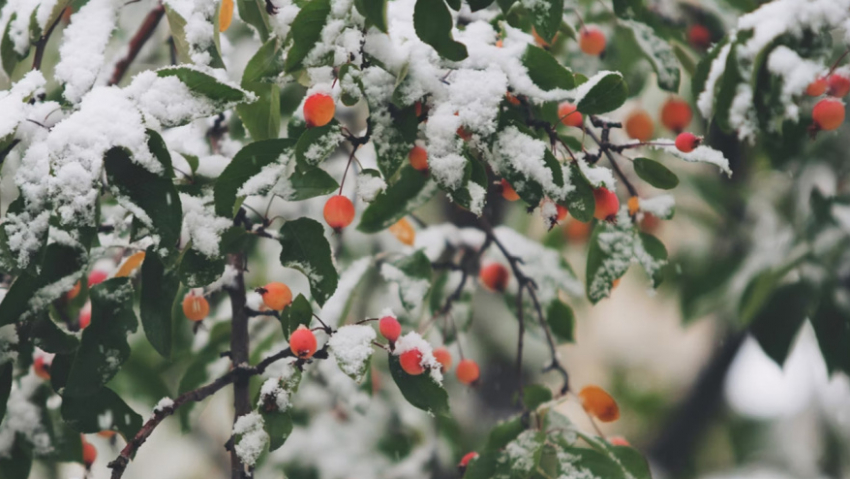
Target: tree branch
145, 31
239, 346
604, 147
41, 44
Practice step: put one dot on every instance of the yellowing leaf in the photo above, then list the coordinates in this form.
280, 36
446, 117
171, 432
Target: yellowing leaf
130, 265
403, 231
225, 15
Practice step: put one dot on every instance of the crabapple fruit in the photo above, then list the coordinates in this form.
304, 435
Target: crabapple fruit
339, 212
599, 404
495, 276
319, 110
464, 461
41, 368
418, 158
403, 232
569, 115
276, 296
817, 87
607, 203
687, 142
508, 191
302, 343
195, 307
639, 126
838, 85
390, 328
676, 114
89, 453
828, 114
467, 371
591, 40
444, 357
411, 362
225, 15
699, 36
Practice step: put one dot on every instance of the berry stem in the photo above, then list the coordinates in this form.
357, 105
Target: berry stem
835, 65
347, 165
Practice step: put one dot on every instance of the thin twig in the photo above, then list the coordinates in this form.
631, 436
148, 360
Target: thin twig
41, 44
145, 31
604, 147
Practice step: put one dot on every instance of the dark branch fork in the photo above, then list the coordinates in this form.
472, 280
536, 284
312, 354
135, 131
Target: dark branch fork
144, 33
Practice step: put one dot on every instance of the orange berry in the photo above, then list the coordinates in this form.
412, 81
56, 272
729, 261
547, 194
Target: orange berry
562, 212
85, 316
634, 205
508, 191
676, 114
41, 368
195, 307
607, 203
599, 403
699, 36
444, 357
467, 371
817, 87
318, 110
464, 461
418, 158
512, 99
390, 328
74, 291
302, 343
89, 453
403, 232
686, 142
339, 212
591, 40
276, 296
828, 114
569, 115
576, 230
411, 362
639, 126
839, 85
225, 15
500, 43
618, 441
495, 276
649, 223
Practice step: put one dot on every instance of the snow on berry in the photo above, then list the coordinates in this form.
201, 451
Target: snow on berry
413, 341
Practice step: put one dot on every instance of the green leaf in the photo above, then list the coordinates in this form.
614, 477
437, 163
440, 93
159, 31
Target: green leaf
278, 426
831, 322
580, 202
159, 289
581, 462
296, 314
546, 17
433, 24
197, 270
266, 65
5, 386
31, 294
776, 324
9, 56
545, 71
104, 344
316, 144
656, 250
49, 337
309, 182
413, 276
534, 395
607, 92
476, 5
411, 191
561, 320
306, 32
375, 12
262, 117
305, 248
655, 174
658, 52
253, 13
204, 85
247, 163
420, 391
135, 187
89, 414
503, 433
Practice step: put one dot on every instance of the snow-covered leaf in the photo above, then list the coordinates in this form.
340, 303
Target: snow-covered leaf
604, 92
351, 85
102, 410
658, 52
433, 23
316, 144
306, 32
545, 71
413, 276
104, 346
306, 249
204, 47
247, 163
375, 12
10, 58
197, 269
655, 173
545, 16
351, 346
420, 391
580, 201
409, 192
205, 85
702, 154
159, 288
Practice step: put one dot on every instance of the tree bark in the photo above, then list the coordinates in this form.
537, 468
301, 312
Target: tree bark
239, 349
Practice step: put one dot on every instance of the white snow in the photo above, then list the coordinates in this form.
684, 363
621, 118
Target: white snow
413, 340
352, 347
252, 438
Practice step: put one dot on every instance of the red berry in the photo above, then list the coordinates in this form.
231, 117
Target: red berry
817, 87
464, 461
444, 357
591, 40
676, 114
828, 114
339, 212
569, 115
639, 126
97, 277
276, 296
618, 441
607, 203
508, 191
562, 212
318, 110
418, 158
839, 85
302, 342
467, 371
41, 368
390, 328
577, 231
411, 362
85, 316
495, 276
599, 404
195, 307
699, 36
89, 453
686, 142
